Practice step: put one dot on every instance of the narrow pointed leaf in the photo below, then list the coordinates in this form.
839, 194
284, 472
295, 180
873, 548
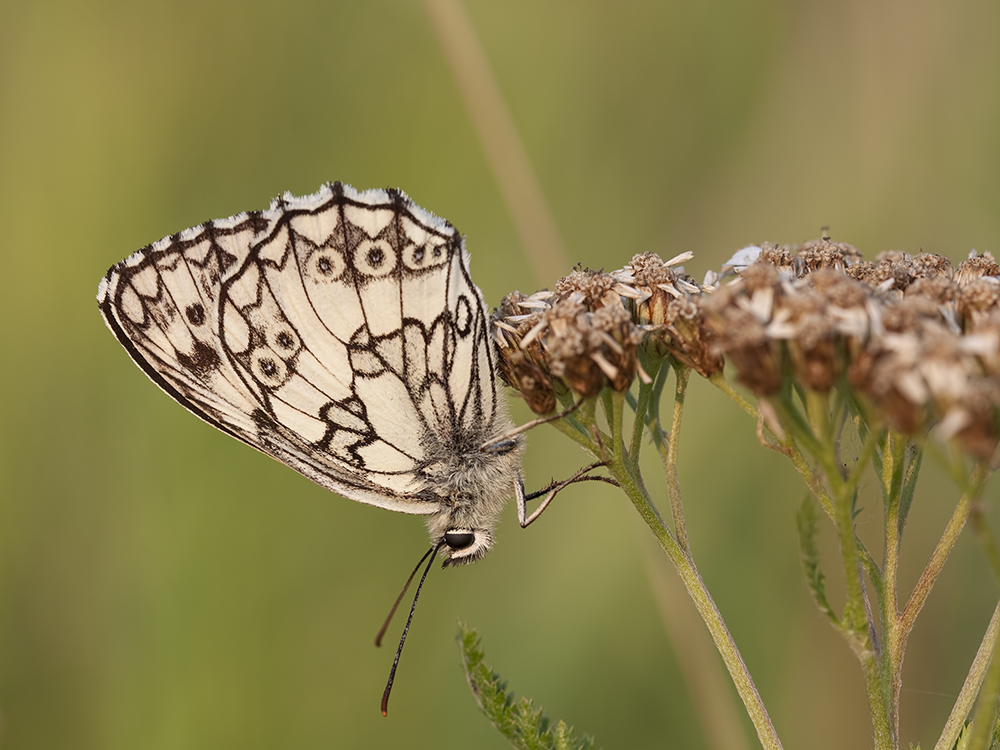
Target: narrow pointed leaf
523, 725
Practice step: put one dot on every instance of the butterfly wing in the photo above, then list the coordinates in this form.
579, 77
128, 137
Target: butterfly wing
339, 333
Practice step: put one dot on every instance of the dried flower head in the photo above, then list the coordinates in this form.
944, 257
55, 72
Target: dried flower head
916, 340
976, 267
524, 367
825, 253
580, 335
663, 301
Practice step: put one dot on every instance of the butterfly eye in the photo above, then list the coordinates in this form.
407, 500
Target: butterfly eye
459, 539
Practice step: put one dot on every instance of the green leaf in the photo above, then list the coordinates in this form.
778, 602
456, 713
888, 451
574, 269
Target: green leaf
524, 726
807, 518
962, 743
914, 457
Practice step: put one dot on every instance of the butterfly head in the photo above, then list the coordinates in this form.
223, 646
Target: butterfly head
463, 545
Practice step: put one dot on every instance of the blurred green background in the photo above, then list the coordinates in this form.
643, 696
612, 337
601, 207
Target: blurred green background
162, 586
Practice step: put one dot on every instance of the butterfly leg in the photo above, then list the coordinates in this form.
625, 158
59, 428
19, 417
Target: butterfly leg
551, 491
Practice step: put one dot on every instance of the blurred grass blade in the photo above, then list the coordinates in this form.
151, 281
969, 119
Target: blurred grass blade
524, 726
498, 136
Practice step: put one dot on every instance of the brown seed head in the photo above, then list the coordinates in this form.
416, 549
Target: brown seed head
663, 301
581, 334
976, 267
825, 253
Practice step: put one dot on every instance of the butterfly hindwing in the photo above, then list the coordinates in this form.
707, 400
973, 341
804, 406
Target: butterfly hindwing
339, 333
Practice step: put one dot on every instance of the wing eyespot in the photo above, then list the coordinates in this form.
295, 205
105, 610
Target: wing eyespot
375, 258
329, 265
270, 370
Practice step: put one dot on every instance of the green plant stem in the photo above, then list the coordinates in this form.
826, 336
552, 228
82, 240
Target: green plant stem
914, 459
818, 414
982, 531
799, 426
720, 382
712, 617
639, 425
706, 607
632, 484
809, 476
616, 418
944, 546
984, 723
576, 436
974, 680
786, 446
893, 635
669, 459
856, 626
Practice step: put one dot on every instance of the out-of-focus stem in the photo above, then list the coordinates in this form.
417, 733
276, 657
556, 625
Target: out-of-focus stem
986, 712
616, 419
499, 138
967, 696
941, 552
982, 531
720, 382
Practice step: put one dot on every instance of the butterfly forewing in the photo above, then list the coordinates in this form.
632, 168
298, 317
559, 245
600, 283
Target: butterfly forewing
339, 333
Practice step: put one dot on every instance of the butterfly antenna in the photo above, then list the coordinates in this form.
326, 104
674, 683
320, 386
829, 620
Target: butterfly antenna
395, 662
395, 606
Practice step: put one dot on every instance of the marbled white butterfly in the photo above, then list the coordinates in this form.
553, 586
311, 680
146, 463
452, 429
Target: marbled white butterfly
341, 334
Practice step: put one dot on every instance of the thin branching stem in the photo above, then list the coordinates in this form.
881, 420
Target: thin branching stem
984, 723
720, 382
893, 635
817, 435
974, 680
576, 436
635, 490
856, 622
706, 607
944, 546
617, 418
788, 446
683, 375
799, 427
639, 425
810, 477
867, 451
977, 520
914, 459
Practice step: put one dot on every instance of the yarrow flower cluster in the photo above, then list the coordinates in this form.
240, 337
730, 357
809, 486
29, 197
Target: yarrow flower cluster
915, 340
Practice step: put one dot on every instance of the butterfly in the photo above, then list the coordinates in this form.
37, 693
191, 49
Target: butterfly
341, 334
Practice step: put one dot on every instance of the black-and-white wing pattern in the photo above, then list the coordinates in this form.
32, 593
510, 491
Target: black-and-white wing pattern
341, 334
